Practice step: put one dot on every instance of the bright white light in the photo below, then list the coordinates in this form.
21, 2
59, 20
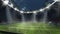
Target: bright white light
27, 12
41, 10
11, 5
16, 9
34, 12
5, 2
48, 6
21, 11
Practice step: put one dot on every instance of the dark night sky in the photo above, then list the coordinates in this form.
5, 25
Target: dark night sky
30, 5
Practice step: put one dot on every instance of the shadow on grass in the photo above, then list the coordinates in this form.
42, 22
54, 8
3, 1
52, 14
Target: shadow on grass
5, 32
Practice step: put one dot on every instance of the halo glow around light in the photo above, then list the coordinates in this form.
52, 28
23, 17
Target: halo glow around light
5, 2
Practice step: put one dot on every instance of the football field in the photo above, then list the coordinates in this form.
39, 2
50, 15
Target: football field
31, 28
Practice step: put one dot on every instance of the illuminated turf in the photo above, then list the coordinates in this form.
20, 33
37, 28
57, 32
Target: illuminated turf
32, 28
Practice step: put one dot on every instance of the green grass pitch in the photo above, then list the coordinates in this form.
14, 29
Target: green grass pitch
31, 28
